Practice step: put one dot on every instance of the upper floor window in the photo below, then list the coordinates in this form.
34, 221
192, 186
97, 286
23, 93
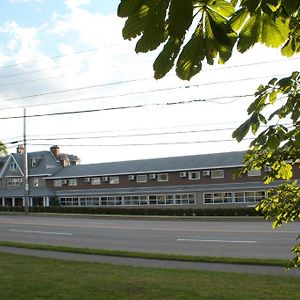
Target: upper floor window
114, 180
57, 182
217, 173
96, 180
163, 177
34, 162
12, 166
254, 172
194, 175
36, 182
14, 181
141, 178
72, 182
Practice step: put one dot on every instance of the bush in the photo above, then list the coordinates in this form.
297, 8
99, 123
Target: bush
238, 211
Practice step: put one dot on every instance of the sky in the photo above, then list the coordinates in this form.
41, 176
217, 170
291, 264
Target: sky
65, 64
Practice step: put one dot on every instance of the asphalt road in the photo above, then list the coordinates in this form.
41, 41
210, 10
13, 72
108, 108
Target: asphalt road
213, 238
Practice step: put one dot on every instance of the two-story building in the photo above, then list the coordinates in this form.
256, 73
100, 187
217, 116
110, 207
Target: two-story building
41, 165
195, 181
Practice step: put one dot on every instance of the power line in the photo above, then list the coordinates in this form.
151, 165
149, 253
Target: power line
119, 107
58, 135
143, 144
130, 135
119, 95
84, 62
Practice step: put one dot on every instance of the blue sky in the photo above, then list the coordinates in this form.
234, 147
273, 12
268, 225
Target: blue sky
69, 55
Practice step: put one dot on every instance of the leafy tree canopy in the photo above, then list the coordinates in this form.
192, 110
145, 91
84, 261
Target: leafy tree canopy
3, 149
192, 31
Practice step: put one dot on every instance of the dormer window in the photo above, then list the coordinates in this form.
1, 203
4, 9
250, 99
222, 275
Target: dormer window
34, 162
12, 166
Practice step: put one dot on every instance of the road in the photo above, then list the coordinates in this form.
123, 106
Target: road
211, 238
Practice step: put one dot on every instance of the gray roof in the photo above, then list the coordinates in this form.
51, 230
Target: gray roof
47, 163
33, 192
155, 165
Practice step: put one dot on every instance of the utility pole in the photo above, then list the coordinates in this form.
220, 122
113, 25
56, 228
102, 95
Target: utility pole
26, 185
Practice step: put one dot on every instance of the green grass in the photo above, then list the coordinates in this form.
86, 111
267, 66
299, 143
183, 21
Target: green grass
24, 277
164, 256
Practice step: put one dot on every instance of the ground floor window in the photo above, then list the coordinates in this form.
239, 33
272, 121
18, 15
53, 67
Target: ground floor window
233, 197
130, 200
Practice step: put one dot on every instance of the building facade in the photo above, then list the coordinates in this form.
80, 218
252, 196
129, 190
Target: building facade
197, 181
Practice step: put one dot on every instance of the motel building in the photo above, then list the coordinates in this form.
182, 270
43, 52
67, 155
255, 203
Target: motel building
195, 181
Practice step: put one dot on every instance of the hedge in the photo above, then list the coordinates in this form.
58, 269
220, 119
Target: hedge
238, 211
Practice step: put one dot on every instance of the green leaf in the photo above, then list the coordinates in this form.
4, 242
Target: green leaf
238, 19
262, 118
273, 96
252, 5
165, 60
219, 37
274, 31
250, 33
223, 8
155, 29
190, 59
129, 7
258, 104
289, 48
273, 141
242, 131
290, 6
180, 17
135, 24
285, 82
255, 123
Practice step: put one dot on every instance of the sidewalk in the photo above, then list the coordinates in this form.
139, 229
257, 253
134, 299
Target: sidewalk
153, 263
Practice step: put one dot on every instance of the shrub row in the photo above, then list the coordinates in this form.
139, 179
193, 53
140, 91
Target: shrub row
238, 211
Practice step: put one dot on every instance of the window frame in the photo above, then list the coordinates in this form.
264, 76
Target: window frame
57, 183
114, 180
141, 178
254, 173
192, 173
212, 172
12, 166
96, 180
161, 175
72, 182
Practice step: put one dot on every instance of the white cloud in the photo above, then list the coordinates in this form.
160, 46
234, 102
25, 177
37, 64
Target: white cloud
115, 60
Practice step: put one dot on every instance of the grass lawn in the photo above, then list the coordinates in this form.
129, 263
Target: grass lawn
24, 277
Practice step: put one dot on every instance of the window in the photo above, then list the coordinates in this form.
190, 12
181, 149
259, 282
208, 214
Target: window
34, 162
13, 181
217, 173
218, 198
254, 172
194, 175
163, 177
96, 180
35, 182
57, 182
141, 178
114, 180
233, 197
72, 182
130, 200
12, 166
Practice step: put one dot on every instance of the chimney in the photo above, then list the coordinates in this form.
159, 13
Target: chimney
20, 149
55, 151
